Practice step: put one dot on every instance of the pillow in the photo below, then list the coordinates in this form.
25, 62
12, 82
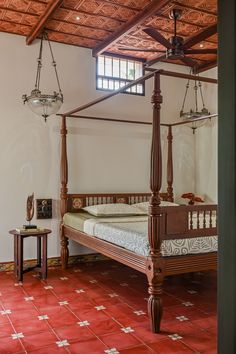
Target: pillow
165, 203
118, 209
144, 205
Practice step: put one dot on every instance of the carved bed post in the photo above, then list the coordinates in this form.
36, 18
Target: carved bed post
63, 196
155, 262
170, 196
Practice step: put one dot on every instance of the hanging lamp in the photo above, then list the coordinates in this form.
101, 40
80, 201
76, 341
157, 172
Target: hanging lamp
196, 116
44, 104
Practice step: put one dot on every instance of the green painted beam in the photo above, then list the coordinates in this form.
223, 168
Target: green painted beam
227, 178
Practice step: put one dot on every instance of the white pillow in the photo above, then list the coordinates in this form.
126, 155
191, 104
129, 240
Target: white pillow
165, 203
144, 205
119, 209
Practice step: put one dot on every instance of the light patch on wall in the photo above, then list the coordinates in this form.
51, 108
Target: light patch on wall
26, 172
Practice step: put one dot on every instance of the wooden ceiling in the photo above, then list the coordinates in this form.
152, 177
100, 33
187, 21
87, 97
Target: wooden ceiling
110, 25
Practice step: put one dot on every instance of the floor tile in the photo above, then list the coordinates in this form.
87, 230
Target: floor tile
106, 326
120, 340
200, 341
10, 346
206, 322
92, 315
39, 340
4, 319
6, 330
74, 333
93, 346
142, 349
51, 349
62, 319
168, 346
30, 326
143, 333
23, 314
19, 305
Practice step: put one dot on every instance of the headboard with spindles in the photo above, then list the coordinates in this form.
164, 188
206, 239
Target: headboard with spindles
75, 202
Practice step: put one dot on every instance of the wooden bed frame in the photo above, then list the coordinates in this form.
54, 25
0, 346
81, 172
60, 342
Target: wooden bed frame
163, 222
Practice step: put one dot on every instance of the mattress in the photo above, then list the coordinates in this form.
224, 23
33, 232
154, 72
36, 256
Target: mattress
131, 233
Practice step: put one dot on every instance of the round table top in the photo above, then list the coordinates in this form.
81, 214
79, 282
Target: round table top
30, 232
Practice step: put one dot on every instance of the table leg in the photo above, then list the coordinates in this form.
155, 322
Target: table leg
38, 251
16, 255
20, 258
44, 258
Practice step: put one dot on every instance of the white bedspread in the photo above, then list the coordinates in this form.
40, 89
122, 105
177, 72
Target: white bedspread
131, 233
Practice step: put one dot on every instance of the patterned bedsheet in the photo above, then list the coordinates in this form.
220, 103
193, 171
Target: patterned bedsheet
131, 233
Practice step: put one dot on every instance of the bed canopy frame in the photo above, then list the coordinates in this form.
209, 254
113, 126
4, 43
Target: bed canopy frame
163, 222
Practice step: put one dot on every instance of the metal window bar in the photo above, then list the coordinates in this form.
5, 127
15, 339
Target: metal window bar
109, 78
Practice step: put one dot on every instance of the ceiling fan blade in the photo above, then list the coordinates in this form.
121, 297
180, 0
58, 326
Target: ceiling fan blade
190, 62
201, 51
158, 37
155, 60
142, 50
201, 36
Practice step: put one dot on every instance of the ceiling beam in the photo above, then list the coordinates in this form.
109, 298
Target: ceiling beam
208, 66
52, 6
150, 10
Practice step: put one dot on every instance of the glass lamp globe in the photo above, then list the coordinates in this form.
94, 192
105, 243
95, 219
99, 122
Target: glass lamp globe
43, 105
191, 115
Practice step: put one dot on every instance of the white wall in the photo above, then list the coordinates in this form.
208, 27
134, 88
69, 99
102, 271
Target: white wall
103, 157
206, 146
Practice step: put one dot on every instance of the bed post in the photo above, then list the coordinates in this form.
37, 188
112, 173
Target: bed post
170, 196
155, 262
63, 196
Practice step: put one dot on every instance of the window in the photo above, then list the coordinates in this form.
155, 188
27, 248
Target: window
115, 72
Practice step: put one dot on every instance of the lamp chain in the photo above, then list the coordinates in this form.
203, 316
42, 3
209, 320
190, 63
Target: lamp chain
37, 81
53, 62
185, 95
200, 89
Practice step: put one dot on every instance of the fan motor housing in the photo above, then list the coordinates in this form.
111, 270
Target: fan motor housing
177, 41
175, 53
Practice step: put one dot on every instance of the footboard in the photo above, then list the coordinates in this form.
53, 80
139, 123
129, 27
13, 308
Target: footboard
188, 221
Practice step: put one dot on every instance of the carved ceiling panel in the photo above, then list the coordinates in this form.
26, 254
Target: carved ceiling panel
88, 23
209, 5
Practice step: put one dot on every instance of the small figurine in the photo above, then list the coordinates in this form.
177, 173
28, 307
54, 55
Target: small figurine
30, 208
192, 198
30, 212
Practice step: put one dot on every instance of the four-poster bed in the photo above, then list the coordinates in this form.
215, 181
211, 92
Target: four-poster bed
164, 223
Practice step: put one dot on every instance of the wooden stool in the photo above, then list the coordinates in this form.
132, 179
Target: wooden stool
41, 265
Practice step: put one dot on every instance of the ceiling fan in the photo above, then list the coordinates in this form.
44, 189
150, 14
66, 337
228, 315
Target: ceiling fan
177, 47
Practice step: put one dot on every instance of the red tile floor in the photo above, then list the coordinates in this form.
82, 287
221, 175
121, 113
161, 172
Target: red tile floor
102, 308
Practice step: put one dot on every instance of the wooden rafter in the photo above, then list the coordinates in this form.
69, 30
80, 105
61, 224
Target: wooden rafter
151, 9
207, 66
52, 6
54, 19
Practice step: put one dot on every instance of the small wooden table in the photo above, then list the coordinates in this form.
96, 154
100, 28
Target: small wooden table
41, 265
